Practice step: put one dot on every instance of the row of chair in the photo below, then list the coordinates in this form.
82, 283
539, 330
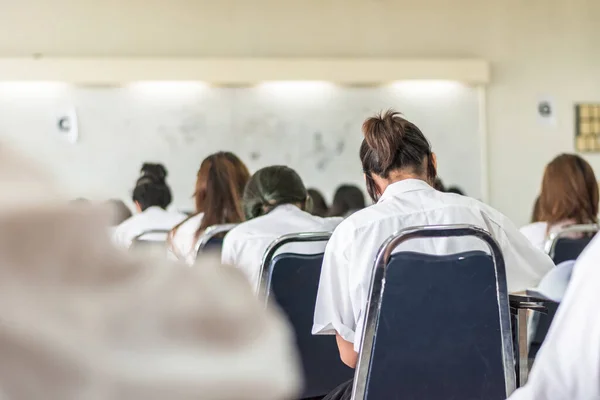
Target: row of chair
436, 341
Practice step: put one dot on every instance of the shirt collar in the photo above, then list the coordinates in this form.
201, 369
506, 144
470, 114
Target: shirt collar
404, 186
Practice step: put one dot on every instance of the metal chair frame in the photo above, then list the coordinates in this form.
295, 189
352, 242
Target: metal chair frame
378, 286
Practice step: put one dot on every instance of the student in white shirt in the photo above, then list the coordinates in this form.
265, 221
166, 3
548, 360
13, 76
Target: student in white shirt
275, 203
82, 320
218, 196
151, 196
567, 366
400, 168
569, 196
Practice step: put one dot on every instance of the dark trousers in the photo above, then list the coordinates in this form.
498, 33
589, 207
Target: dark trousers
342, 392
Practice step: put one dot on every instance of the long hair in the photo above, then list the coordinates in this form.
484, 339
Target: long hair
569, 191
218, 194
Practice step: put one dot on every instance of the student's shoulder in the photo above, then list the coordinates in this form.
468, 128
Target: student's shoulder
362, 219
246, 230
127, 224
534, 229
329, 223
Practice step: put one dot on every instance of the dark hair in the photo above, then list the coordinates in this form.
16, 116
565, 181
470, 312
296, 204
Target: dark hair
569, 191
455, 190
271, 187
347, 198
119, 211
438, 185
151, 188
393, 143
319, 205
220, 184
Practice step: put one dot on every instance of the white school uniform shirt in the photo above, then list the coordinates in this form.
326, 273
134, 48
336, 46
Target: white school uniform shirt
152, 218
351, 251
245, 245
567, 367
183, 243
538, 233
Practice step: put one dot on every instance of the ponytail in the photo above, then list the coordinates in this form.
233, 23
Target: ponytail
392, 143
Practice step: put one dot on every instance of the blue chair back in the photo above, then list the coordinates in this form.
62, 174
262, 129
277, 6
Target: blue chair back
212, 238
561, 248
291, 281
440, 326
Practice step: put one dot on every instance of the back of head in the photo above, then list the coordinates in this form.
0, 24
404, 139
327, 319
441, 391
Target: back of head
319, 205
569, 191
347, 198
393, 143
151, 189
271, 187
220, 185
119, 211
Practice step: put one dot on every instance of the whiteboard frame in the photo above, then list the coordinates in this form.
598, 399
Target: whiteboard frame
242, 71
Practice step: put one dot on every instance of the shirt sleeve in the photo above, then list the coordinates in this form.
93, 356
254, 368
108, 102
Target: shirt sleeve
121, 237
333, 310
568, 364
525, 264
227, 250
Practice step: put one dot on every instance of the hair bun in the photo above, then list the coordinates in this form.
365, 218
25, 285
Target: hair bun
384, 135
156, 172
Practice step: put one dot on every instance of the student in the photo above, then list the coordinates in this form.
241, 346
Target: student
568, 363
275, 203
81, 320
400, 170
151, 196
347, 200
319, 205
569, 196
219, 187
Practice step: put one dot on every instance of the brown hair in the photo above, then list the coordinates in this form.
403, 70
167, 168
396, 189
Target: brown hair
569, 191
392, 143
535, 214
220, 185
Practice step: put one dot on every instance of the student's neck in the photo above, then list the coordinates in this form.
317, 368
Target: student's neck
397, 176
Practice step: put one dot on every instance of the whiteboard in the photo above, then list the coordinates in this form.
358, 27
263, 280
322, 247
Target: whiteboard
314, 127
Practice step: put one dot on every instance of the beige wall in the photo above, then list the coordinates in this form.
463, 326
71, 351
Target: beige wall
536, 47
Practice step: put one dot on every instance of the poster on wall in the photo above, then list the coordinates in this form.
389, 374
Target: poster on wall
587, 127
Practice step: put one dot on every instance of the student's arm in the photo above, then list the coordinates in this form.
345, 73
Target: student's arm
334, 313
526, 265
347, 353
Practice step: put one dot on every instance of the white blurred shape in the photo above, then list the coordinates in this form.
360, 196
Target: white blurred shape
32, 89
425, 88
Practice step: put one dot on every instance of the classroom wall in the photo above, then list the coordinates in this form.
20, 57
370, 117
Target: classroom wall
537, 48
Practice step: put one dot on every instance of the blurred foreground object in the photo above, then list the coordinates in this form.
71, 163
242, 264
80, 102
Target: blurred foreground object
82, 320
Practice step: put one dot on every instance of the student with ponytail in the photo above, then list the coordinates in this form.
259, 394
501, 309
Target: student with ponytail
218, 196
275, 203
151, 197
400, 170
